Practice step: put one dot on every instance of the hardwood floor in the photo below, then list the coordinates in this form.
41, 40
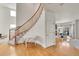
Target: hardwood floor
60, 49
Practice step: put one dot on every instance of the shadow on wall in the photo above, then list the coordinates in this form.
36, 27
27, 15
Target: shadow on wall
39, 40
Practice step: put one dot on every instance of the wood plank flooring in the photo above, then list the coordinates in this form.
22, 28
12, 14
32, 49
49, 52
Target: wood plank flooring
60, 49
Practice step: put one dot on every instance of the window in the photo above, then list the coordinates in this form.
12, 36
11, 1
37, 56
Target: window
12, 26
12, 13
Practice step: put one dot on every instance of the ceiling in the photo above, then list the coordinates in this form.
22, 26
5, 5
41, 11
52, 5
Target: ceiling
64, 12
9, 5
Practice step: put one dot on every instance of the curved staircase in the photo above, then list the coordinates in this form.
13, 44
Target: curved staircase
23, 29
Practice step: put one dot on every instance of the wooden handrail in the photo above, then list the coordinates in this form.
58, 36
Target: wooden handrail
27, 22
30, 18
36, 20
17, 30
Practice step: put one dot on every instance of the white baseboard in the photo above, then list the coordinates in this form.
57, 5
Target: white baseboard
51, 44
45, 46
41, 44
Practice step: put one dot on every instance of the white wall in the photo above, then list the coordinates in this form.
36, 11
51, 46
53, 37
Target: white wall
50, 28
4, 25
5, 20
77, 29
